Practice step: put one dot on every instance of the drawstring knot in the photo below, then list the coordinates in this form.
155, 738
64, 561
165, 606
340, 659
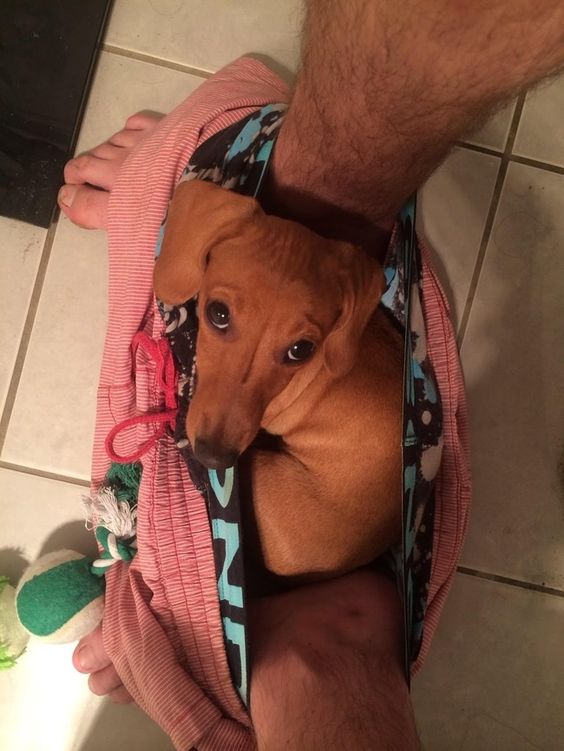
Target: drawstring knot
160, 352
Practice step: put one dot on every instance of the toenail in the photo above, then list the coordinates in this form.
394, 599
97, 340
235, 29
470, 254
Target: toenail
85, 658
66, 195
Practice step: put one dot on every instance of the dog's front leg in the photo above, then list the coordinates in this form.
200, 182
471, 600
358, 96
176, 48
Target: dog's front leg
298, 528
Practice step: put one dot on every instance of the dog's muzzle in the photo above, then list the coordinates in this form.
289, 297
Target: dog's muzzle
213, 456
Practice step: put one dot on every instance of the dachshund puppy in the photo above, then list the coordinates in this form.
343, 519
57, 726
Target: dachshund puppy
292, 345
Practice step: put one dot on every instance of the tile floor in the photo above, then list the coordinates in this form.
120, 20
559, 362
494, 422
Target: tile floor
493, 212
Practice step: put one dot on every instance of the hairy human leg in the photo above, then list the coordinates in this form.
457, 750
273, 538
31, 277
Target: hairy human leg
327, 668
384, 91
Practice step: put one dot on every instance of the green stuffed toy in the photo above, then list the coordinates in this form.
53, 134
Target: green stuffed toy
13, 636
60, 598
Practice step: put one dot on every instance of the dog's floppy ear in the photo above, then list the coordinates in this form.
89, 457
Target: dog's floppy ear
362, 284
200, 215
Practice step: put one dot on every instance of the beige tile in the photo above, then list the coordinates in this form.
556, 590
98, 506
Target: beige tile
513, 353
494, 678
541, 130
122, 727
52, 423
21, 246
47, 707
453, 207
46, 703
44, 692
207, 34
123, 86
493, 134
39, 515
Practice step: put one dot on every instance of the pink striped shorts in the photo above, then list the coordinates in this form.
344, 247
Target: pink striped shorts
162, 626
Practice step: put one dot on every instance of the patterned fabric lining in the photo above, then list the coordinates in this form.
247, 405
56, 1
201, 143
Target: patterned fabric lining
422, 432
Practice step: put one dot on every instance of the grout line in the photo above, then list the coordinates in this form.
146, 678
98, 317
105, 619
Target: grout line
514, 127
44, 473
511, 582
529, 161
141, 57
488, 226
26, 333
536, 163
480, 149
502, 171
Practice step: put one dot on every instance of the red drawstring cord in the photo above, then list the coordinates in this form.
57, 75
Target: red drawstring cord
161, 354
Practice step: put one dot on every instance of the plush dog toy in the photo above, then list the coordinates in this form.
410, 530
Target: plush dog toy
60, 597
13, 636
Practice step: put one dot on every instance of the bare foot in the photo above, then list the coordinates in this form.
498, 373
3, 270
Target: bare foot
90, 657
89, 178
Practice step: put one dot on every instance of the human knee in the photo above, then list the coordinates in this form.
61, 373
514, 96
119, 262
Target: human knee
328, 664
360, 612
356, 632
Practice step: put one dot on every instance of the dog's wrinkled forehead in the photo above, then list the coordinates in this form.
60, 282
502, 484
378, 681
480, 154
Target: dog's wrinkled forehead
271, 251
269, 272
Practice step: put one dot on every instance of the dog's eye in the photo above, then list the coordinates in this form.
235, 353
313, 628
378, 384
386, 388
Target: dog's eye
300, 351
218, 314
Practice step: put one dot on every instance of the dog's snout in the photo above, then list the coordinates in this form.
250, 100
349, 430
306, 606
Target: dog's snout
213, 456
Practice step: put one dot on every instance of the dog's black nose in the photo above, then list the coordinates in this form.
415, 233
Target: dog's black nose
213, 456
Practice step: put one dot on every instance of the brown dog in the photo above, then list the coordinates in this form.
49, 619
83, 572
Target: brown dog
290, 341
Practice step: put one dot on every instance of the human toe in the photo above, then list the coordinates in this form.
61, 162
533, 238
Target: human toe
90, 654
92, 170
85, 206
111, 151
136, 128
104, 681
142, 121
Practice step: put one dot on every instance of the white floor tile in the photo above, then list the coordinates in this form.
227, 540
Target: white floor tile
453, 207
494, 678
493, 134
123, 86
46, 704
207, 34
122, 727
45, 701
39, 516
541, 130
21, 246
52, 423
513, 353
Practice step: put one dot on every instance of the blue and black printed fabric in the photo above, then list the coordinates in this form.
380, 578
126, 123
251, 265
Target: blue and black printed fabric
237, 159
422, 429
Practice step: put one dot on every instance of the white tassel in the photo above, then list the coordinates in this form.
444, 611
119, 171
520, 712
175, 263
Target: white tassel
104, 510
